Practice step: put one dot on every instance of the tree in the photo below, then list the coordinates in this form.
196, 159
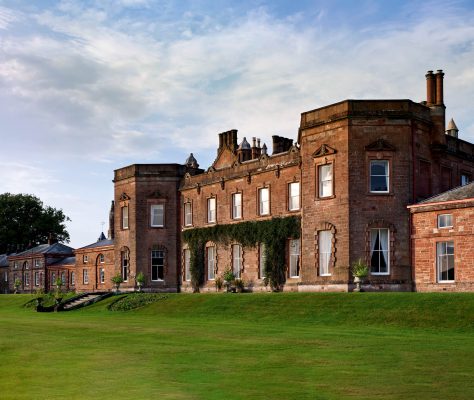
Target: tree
25, 221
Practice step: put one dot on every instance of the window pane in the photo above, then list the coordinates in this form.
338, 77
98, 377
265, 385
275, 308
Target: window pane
211, 210
236, 260
211, 257
125, 217
445, 261
188, 214
187, 264
157, 265
379, 251
379, 176
262, 260
237, 205
294, 258
325, 245
157, 215
325, 180
294, 196
264, 200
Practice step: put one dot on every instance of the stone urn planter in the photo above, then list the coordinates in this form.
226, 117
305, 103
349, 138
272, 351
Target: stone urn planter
358, 281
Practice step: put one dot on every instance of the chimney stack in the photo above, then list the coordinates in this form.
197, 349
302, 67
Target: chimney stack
439, 87
430, 88
435, 101
111, 233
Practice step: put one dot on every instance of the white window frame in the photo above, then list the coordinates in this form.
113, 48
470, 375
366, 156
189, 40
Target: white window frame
157, 215
188, 214
443, 259
211, 210
211, 263
236, 260
125, 224
236, 205
262, 257
325, 184
101, 275
386, 175
187, 264
157, 255
63, 278
264, 201
380, 251
85, 259
73, 278
101, 258
294, 246
85, 276
294, 196
325, 252
445, 221
27, 279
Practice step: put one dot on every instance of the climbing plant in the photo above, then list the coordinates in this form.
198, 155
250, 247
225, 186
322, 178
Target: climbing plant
272, 232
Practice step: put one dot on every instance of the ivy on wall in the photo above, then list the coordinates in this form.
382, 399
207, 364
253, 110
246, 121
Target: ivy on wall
272, 232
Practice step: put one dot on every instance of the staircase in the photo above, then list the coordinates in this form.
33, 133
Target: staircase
83, 300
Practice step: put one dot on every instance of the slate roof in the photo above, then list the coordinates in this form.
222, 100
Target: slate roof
99, 243
3, 260
55, 248
459, 193
64, 261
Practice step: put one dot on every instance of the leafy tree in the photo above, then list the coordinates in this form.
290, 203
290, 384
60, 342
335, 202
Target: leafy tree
24, 221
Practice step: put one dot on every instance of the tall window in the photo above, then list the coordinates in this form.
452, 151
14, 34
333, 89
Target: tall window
211, 262
445, 221
85, 276
325, 248
379, 251
63, 278
157, 215
379, 176
237, 205
294, 196
261, 260
157, 265
101, 275
27, 279
236, 259
25, 265
264, 201
211, 209
125, 265
445, 261
73, 278
294, 258
325, 180
36, 278
5, 276
125, 217
187, 265
53, 278
188, 214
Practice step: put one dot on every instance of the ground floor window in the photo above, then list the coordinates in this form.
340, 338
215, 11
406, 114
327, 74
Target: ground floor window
325, 249
187, 265
27, 279
53, 278
445, 261
236, 259
294, 258
63, 278
379, 251
85, 276
157, 265
125, 265
211, 263
37, 279
101, 275
73, 278
261, 260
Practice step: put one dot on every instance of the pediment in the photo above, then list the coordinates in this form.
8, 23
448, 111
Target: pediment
380, 145
324, 150
124, 196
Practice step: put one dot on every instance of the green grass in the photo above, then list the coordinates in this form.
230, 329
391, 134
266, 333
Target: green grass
249, 346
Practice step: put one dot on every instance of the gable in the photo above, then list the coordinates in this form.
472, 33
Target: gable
225, 159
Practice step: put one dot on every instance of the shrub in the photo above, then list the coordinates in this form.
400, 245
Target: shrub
135, 300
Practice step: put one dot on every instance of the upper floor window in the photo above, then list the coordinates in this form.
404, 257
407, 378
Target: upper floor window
325, 180
157, 265
26, 265
37, 263
294, 258
445, 221
188, 214
445, 261
264, 201
157, 215
211, 262
465, 179
187, 265
101, 258
379, 251
237, 205
85, 258
15, 264
211, 209
294, 196
325, 250
379, 176
125, 217
236, 259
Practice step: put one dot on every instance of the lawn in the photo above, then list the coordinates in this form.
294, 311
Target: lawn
243, 346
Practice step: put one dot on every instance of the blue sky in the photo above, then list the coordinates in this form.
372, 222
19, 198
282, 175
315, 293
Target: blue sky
90, 86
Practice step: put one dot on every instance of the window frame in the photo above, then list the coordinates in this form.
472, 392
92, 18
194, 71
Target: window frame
85, 259
125, 217
294, 256
291, 199
388, 251
446, 255
439, 219
320, 180
101, 258
152, 215
388, 175
72, 278
328, 254
85, 276
262, 257
261, 212
187, 264
465, 178
211, 219
211, 263
157, 265
186, 214
101, 275
237, 261
236, 207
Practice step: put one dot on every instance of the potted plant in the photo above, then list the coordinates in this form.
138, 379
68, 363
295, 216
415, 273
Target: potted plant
16, 285
219, 282
117, 280
228, 278
140, 278
239, 285
360, 270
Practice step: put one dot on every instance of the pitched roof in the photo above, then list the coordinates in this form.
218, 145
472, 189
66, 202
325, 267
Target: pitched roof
55, 248
3, 260
459, 193
99, 243
64, 261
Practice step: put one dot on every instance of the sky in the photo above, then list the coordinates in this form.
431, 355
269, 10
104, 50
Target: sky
87, 87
